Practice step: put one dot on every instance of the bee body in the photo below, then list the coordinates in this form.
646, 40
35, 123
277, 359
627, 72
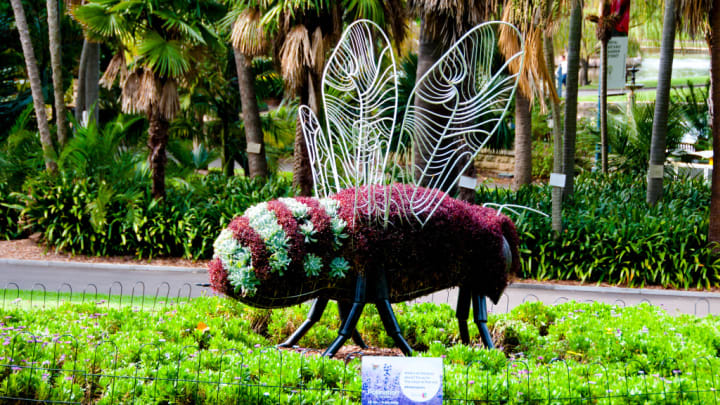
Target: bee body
287, 251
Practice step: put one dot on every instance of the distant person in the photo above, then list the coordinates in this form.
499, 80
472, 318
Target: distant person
562, 74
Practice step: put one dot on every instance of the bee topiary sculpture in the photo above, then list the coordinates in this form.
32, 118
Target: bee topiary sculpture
364, 238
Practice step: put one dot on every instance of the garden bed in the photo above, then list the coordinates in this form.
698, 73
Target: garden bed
215, 350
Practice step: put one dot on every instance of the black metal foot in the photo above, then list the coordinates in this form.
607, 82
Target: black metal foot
344, 309
480, 317
348, 326
346, 330
316, 311
391, 326
462, 311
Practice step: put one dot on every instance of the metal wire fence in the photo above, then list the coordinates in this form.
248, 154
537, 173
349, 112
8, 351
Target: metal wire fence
64, 370
159, 296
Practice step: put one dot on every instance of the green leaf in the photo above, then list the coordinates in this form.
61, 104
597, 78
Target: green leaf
166, 58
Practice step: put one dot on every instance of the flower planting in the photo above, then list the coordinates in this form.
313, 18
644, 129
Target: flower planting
289, 250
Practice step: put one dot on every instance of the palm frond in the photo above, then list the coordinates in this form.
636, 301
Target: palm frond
148, 94
174, 22
248, 34
169, 100
295, 54
165, 57
693, 16
535, 77
117, 63
317, 51
129, 92
447, 20
101, 21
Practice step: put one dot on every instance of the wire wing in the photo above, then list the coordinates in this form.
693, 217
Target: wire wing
360, 102
454, 109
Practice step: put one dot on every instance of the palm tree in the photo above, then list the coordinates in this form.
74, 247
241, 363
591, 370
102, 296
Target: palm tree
605, 22
662, 103
442, 23
35, 86
532, 19
248, 40
56, 63
713, 39
552, 14
155, 42
571, 96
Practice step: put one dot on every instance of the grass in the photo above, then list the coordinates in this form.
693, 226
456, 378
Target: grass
640, 96
675, 82
39, 299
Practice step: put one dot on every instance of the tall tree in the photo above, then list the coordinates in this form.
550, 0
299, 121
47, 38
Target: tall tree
552, 12
155, 42
713, 39
605, 21
662, 103
56, 63
571, 97
535, 80
35, 86
248, 40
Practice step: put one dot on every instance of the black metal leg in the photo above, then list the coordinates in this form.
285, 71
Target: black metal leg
391, 326
316, 311
387, 315
480, 318
462, 311
348, 326
344, 310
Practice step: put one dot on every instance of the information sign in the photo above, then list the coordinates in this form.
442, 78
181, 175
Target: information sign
402, 380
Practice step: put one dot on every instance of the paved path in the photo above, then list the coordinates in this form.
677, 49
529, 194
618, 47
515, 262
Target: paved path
180, 281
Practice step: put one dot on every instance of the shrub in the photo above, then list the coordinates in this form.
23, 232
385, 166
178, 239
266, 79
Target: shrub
611, 235
10, 227
87, 216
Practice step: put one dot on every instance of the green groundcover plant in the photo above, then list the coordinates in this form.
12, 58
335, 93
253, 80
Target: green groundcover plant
215, 350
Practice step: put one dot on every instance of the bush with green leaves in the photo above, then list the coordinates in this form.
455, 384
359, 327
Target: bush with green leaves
90, 216
10, 226
611, 235
208, 351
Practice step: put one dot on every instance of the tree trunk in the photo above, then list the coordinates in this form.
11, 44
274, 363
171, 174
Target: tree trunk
157, 143
80, 104
56, 63
713, 38
302, 173
251, 116
523, 141
227, 156
35, 86
662, 103
585, 71
603, 107
571, 96
557, 137
92, 80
